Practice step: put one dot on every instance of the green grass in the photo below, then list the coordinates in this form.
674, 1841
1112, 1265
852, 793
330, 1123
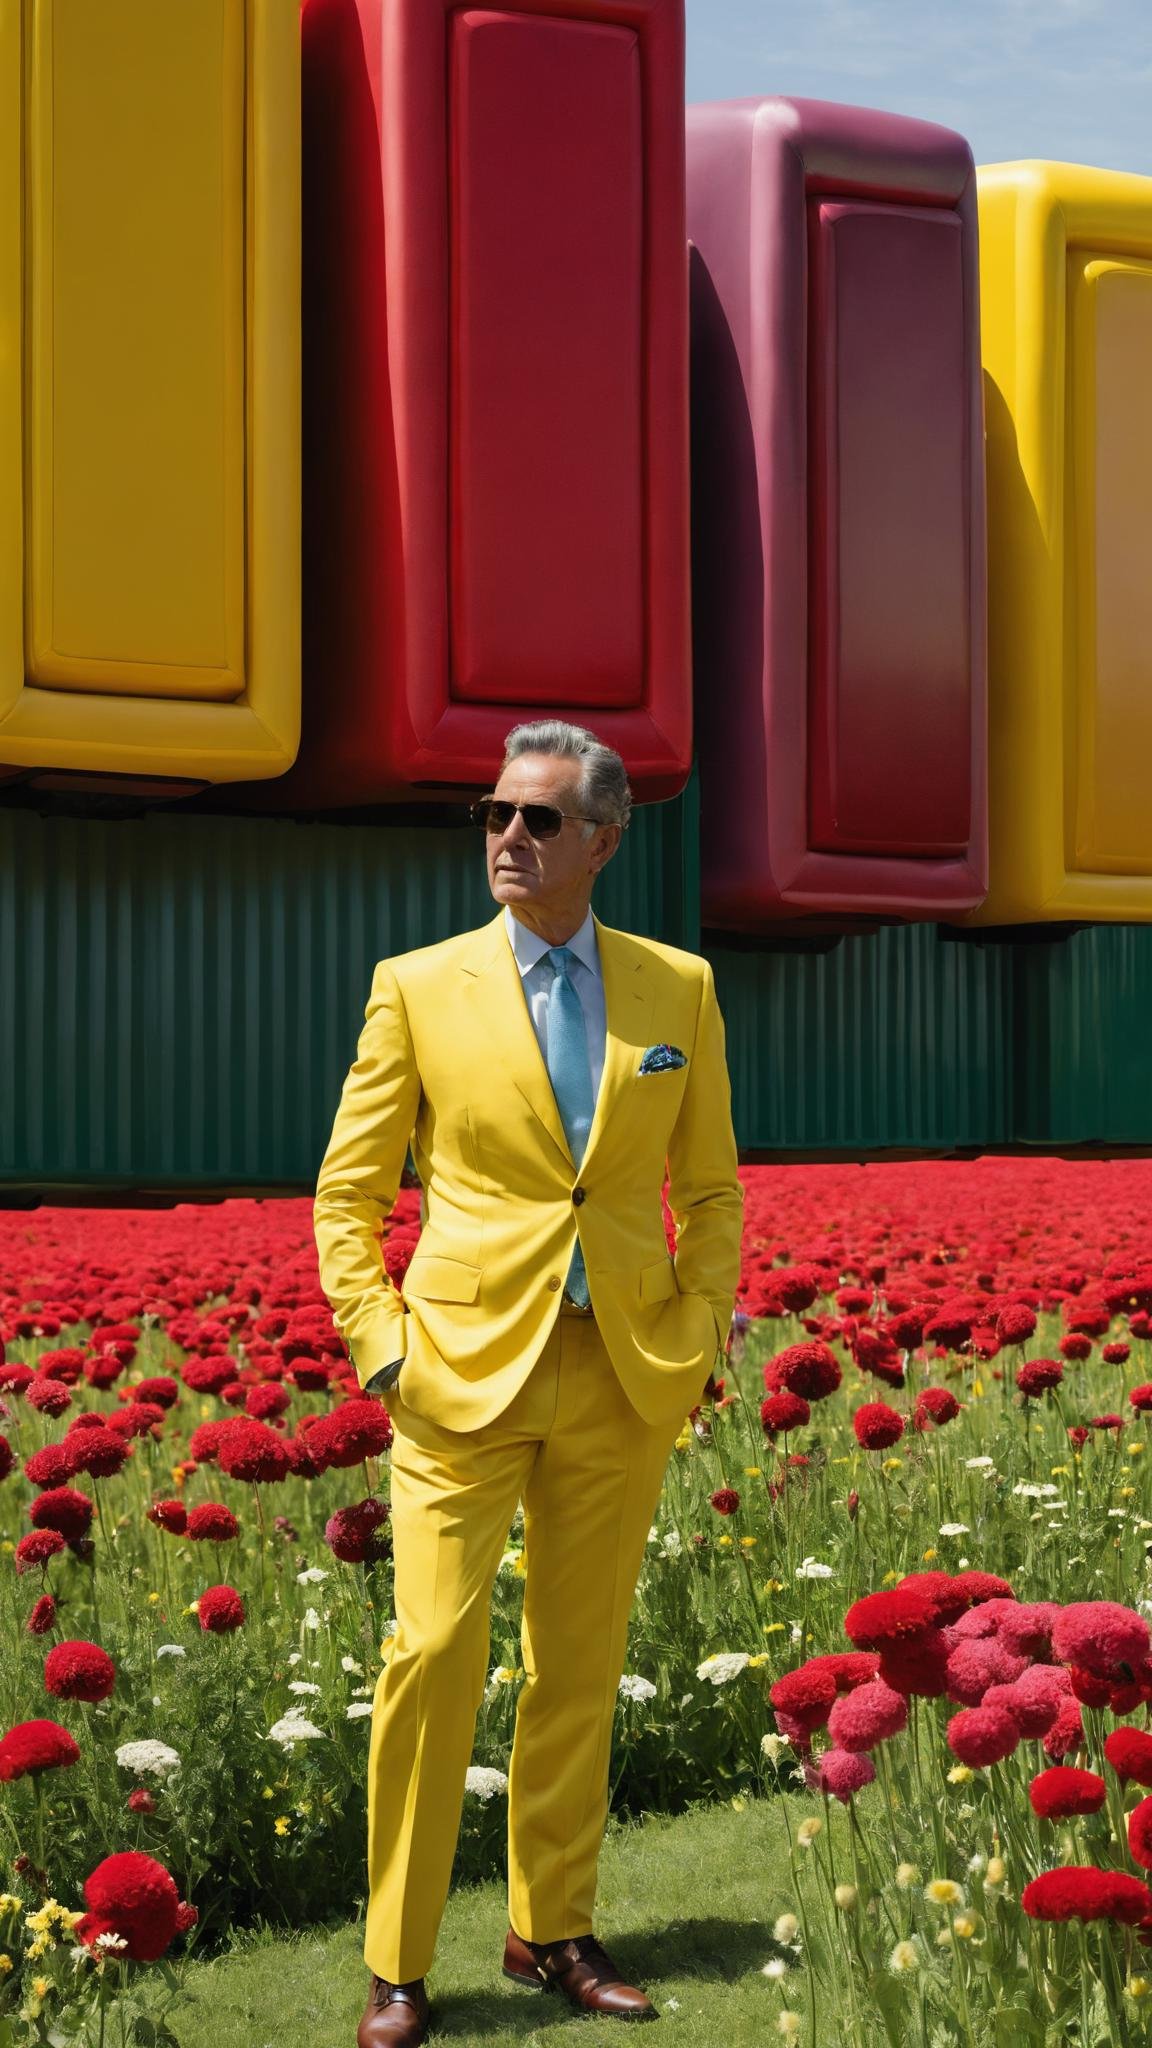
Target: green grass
685, 1907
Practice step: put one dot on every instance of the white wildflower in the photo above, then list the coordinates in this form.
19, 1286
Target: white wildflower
295, 1657
773, 1747
313, 1576
776, 1969
311, 1618
350, 1664
293, 1727
722, 1666
954, 1529
980, 1464
358, 1710
635, 1688
813, 1569
110, 1942
304, 1685
171, 1650
483, 1782
147, 1758
673, 1543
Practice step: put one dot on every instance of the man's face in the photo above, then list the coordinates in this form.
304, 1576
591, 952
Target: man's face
552, 875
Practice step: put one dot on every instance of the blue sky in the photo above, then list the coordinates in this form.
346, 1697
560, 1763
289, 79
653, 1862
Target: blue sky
1066, 79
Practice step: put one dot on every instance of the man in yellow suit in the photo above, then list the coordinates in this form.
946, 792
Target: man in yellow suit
547, 1070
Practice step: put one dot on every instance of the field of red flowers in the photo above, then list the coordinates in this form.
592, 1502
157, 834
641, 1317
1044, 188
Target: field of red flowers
898, 1581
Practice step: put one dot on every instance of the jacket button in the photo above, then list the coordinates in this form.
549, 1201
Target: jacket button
578, 1195
553, 1281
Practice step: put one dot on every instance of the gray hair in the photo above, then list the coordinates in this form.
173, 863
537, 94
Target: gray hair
604, 790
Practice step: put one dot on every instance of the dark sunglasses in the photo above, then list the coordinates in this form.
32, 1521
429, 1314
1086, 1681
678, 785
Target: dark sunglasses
541, 821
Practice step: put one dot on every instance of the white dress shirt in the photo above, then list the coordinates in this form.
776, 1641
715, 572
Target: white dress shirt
585, 975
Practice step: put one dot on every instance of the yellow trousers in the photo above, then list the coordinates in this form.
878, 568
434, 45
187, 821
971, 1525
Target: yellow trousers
589, 1472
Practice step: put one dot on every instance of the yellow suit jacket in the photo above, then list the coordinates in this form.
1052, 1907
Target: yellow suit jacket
449, 1060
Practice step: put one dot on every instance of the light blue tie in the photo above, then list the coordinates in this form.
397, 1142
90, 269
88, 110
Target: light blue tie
571, 1076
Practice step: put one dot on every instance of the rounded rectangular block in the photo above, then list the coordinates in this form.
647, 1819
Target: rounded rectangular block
496, 409
149, 388
1066, 292
838, 514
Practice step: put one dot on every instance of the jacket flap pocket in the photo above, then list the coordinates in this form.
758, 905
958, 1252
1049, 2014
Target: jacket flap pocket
431, 1277
657, 1282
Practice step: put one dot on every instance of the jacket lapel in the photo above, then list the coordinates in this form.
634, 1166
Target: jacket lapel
629, 998
504, 1026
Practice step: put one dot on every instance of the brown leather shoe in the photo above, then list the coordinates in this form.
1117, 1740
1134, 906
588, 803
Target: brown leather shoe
396, 2015
582, 1970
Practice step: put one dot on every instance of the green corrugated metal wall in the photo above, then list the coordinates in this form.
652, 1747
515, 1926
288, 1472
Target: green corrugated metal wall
182, 996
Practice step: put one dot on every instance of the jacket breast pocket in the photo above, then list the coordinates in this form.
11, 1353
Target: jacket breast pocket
432, 1277
658, 1281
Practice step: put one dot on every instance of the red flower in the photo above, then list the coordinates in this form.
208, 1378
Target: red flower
796, 1287
1140, 1833
982, 1735
783, 1411
975, 1665
937, 1405
204, 1442
1075, 1347
353, 1533
842, 1774
220, 1610
918, 1664
266, 1400
881, 1618
51, 1466
1038, 1376
50, 1397
1059, 1793
1129, 1751
805, 1695
36, 1746
65, 1509
1078, 1436
211, 1522
7, 1457
1034, 1699
100, 1452
170, 1515
870, 1714
1116, 1354
137, 1418
1141, 1398
877, 1426
1015, 1324
356, 1430
1078, 1892
132, 1895
38, 1549
251, 1451
79, 1671
1099, 1635
976, 1587
162, 1390
1066, 1733
810, 1370
141, 1801
725, 1500
42, 1616
208, 1375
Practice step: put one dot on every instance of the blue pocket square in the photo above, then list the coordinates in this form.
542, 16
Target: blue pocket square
659, 1058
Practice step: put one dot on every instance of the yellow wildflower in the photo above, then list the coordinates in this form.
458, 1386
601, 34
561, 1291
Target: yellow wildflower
943, 1891
771, 1628
904, 1957
994, 1875
41, 1986
890, 1578
978, 1389
751, 1471
959, 1774
153, 1599
723, 1543
846, 1896
7, 1547
926, 1556
1125, 1492
521, 1565
964, 1924
761, 1657
1061, 1471
907, 1874
267, 1793
773, 1585
893, 1464
1138, 1987
282, 1823
39, 1947
1134, 1451
749, 1542
6, 1964
808, 1830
